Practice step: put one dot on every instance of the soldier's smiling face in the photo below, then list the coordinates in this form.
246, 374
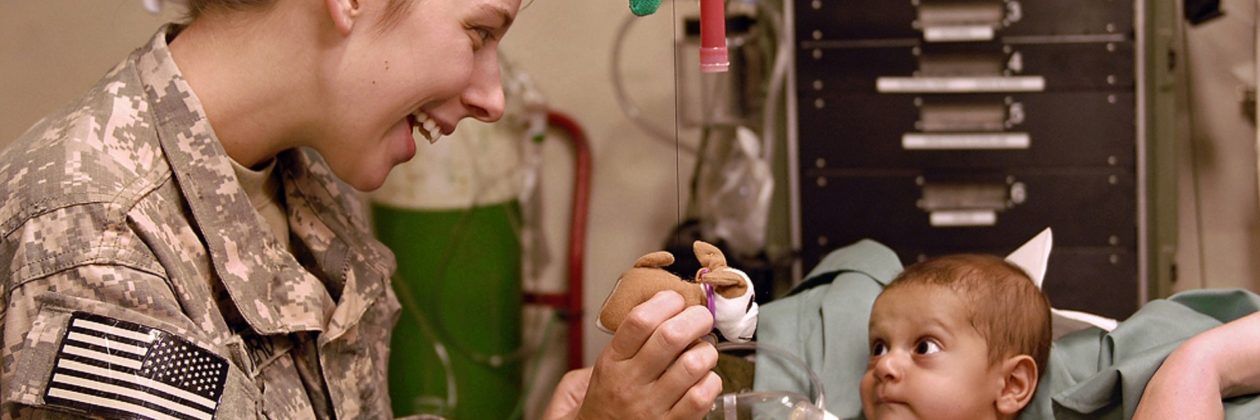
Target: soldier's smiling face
426, 68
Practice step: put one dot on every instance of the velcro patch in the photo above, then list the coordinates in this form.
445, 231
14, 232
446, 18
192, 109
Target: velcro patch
114, 368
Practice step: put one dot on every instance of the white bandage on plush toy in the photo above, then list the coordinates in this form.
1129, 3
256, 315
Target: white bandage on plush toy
735, 318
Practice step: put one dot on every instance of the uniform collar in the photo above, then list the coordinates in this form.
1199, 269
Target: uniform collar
271, 290
328, 218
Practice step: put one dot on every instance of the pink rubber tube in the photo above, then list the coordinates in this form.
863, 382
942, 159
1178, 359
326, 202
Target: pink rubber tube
713, 56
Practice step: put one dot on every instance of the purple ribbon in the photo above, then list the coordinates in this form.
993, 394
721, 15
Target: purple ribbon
708, 292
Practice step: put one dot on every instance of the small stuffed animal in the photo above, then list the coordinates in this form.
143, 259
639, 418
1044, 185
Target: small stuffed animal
726, 291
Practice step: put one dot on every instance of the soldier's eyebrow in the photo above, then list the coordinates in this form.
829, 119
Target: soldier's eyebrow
505, 17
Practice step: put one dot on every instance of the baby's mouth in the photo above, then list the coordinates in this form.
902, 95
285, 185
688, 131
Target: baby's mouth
882, 398
425, 125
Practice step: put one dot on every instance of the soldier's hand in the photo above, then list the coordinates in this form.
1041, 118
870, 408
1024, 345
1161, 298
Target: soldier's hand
655, 367
569, 394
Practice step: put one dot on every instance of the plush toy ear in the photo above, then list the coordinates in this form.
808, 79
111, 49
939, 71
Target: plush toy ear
1033, 256
656, 259
709, 256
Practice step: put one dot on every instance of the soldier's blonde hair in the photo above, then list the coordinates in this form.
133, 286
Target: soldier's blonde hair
1004, 306
197, 8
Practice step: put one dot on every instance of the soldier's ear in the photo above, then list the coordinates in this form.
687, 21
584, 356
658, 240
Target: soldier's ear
343, 14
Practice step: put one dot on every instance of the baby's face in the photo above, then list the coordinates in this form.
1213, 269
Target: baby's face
926, 360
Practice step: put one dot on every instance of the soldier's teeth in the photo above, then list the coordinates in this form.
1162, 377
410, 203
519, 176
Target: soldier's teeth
425, 125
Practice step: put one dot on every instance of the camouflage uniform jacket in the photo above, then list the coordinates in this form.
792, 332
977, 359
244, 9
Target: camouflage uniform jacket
122, 208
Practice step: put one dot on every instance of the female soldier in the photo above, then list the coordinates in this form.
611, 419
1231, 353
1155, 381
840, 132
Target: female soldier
179, 242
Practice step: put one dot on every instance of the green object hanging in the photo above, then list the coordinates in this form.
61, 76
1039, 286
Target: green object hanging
644, 7
462, 269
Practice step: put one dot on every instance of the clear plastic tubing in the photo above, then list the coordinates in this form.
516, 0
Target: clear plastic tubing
713, 56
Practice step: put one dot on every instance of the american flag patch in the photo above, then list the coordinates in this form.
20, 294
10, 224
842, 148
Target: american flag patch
113, 368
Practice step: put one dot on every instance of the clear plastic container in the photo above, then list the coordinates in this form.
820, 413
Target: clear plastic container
771, 404
766, 405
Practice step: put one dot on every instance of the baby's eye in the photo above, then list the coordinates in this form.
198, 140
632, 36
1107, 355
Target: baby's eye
927, 346
878, 348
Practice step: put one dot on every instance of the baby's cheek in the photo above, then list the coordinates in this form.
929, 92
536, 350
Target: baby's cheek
867, 389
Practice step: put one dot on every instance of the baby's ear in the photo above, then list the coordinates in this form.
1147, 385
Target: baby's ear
1019, 382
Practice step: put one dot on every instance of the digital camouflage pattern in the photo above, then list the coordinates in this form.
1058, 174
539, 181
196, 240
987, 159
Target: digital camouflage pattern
124, 204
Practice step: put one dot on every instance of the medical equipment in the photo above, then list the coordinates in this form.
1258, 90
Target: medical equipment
738, 115
947, 126
713, 57
644, 7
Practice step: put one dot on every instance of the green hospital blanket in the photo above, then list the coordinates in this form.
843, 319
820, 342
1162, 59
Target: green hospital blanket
1091, 373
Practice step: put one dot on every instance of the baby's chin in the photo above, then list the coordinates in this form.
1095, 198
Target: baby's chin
903, 411
887, 411
890, 414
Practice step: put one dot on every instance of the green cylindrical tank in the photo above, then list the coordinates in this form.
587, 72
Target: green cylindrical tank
462, 268
450, 216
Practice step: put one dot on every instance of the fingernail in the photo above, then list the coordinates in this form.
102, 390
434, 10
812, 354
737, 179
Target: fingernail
667, 294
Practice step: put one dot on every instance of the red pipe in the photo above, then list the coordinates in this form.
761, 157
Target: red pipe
570, 302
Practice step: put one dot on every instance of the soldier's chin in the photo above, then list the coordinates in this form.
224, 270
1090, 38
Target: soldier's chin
369, 182
368, 178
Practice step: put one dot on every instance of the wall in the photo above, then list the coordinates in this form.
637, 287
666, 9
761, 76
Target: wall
1219, 220
52, 50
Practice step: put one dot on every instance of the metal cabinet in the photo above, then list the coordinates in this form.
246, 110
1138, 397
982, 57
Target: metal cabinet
945, 126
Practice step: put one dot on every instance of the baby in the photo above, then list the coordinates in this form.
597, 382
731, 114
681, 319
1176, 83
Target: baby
956, 337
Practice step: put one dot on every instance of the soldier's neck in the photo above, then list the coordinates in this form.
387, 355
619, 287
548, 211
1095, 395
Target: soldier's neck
241, 72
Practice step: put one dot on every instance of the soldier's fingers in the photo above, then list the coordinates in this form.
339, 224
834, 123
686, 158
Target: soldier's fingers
671, 338
640, 324
685, 372
698, 400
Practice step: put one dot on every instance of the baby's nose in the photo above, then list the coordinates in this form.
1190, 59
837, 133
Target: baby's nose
888, 368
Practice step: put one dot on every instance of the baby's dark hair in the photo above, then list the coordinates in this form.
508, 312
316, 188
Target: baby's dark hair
1004, 305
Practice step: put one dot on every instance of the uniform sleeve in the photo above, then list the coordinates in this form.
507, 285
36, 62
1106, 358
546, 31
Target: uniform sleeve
97, 288
110, 341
